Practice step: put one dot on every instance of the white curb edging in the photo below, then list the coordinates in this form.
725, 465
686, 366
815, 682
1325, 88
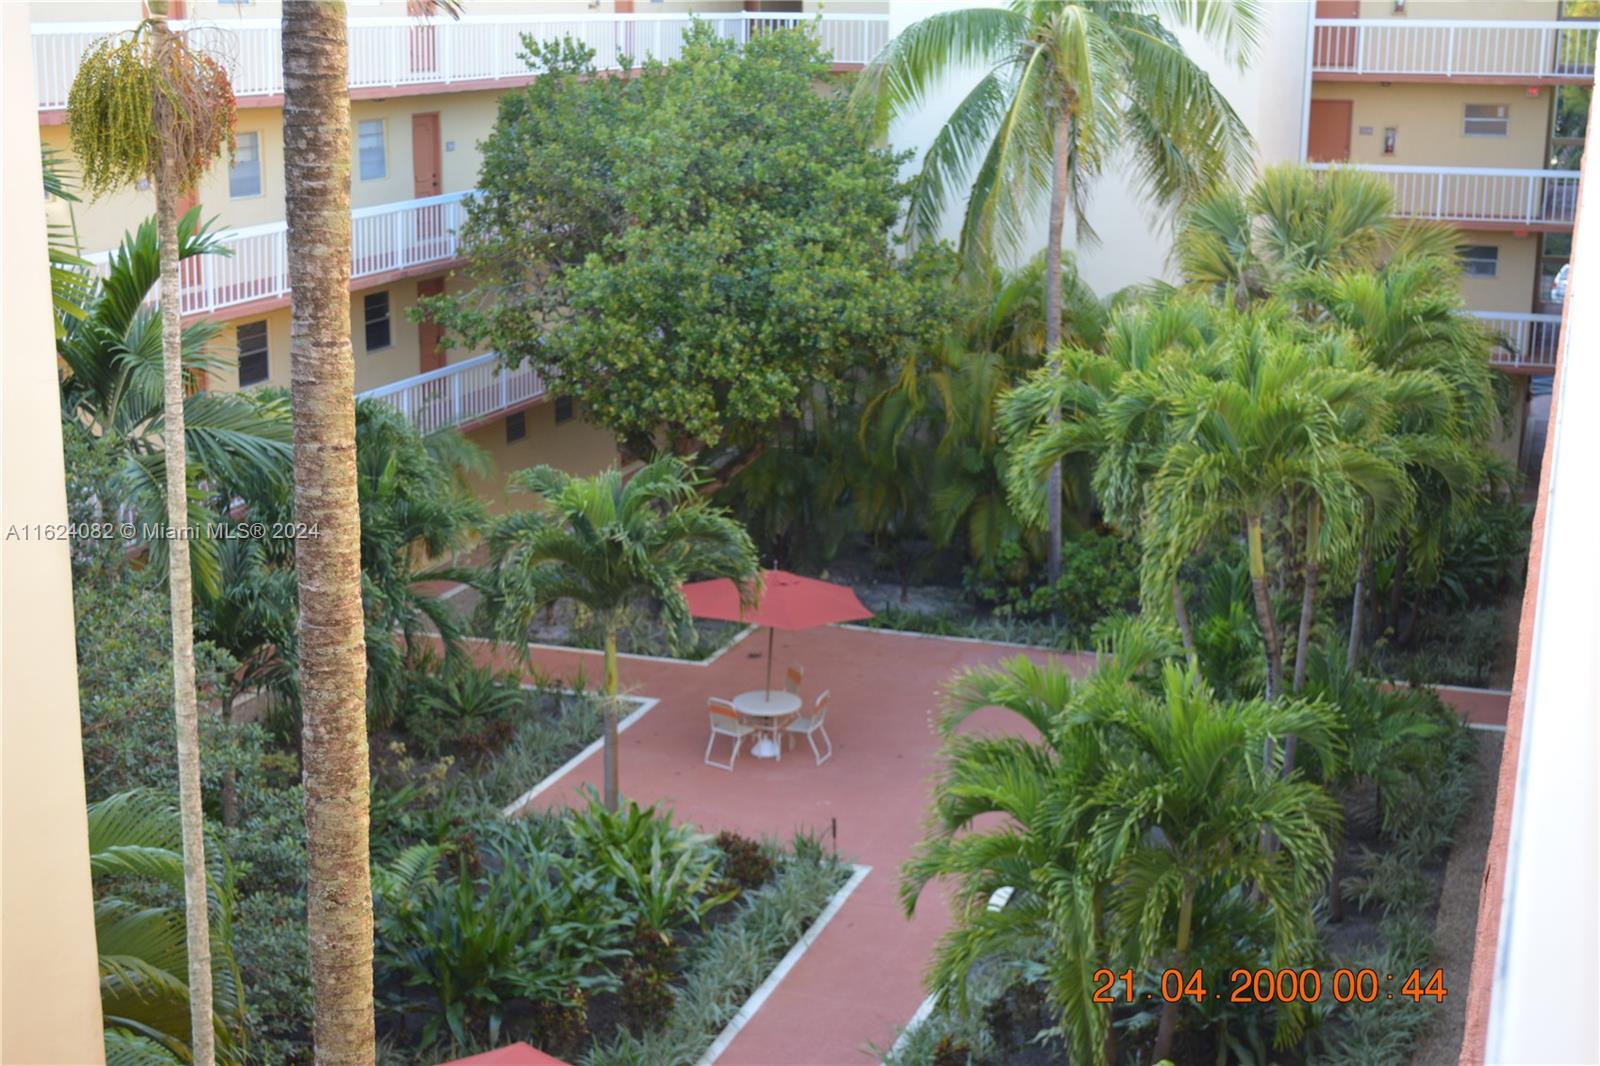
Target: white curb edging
647, 704
748, 1010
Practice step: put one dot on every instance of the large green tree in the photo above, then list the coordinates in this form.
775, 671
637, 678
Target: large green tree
691, 251
610, 544
1067, 87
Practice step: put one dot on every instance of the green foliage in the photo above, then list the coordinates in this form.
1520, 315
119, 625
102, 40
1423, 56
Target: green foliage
604, 543
1133, 827
529, 924
462, 707
1099, 579
695, 250
745, 862
237, 444
134, 843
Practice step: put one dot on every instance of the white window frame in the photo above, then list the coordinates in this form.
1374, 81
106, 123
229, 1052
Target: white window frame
1485, 125
261, 171
383, 150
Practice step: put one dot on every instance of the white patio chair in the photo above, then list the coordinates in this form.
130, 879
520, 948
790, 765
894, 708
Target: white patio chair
793, 677
725, 722
810, 725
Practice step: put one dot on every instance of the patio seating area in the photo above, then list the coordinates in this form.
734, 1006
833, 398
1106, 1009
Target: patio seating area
864, 973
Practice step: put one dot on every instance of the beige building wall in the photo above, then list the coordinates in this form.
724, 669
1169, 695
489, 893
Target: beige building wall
1511, 289
1417, 10
49, 978
574, 445
1429, 123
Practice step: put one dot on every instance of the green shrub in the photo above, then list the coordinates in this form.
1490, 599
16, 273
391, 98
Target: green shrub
744, 861
1099, 578
462, 708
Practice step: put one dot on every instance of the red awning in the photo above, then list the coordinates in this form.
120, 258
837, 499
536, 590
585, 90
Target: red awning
518, 1054
788, 601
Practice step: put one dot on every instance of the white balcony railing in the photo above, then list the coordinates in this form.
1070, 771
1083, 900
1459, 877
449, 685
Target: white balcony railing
1455, 48
1478, 195
460, 393
1522, 340
388, 237
397, 52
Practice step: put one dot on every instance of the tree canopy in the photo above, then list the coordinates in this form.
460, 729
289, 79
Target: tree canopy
692, 250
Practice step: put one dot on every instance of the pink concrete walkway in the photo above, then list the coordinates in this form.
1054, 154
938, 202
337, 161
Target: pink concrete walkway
863, 977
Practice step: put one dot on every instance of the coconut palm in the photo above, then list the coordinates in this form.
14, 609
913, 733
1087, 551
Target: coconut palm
330, 644
605, 543
1067, 85
135, 839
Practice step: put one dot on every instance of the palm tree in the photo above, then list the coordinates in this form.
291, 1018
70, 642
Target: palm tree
1276, 424
1068, 84
604, 544
234, 443
331, 648
146, 105
1180, 815
135, 839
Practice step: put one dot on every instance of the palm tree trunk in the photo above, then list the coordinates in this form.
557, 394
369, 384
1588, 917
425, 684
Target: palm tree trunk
1185, 629
1167, 1025
1396, 586
613, 796
1052, 321
316, 134
1269, 627
197, 927
1308, 597
1358, 601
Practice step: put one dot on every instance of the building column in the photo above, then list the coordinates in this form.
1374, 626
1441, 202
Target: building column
49, 973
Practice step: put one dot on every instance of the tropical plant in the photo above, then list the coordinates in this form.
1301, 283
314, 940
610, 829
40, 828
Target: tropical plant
69, 271
605, 543
531, 924
1066, 86
464, 705
330, 646
1140, 803
146, 105
135, 841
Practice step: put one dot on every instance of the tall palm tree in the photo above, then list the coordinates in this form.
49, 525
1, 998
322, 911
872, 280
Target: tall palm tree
146, 105
330, 644
1067, 85
605, 544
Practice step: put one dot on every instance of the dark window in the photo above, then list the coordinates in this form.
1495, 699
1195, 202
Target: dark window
376, 306
563, 409
252, 338
1479, 260
1486, 120
516, 427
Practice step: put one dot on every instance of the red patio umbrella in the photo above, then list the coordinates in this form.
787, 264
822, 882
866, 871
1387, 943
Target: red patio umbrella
788, 601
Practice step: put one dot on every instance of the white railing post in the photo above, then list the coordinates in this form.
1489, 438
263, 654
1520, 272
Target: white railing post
1528, 212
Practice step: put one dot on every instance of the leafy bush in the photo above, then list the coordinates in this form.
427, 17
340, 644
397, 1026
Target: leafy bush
462, 707
745, 862
532, 925
1482, 554
1446, 648
1099, 578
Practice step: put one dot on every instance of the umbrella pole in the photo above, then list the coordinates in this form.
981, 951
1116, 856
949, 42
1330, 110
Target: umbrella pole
770, 632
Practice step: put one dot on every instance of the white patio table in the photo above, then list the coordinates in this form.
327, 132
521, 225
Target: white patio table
770, 707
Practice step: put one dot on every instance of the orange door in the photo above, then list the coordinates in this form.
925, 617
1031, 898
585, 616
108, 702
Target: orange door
427, 168
1328, 140
428, 332
1335, 47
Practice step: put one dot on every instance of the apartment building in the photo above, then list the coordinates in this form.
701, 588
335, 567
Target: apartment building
1474, 113
424, 93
